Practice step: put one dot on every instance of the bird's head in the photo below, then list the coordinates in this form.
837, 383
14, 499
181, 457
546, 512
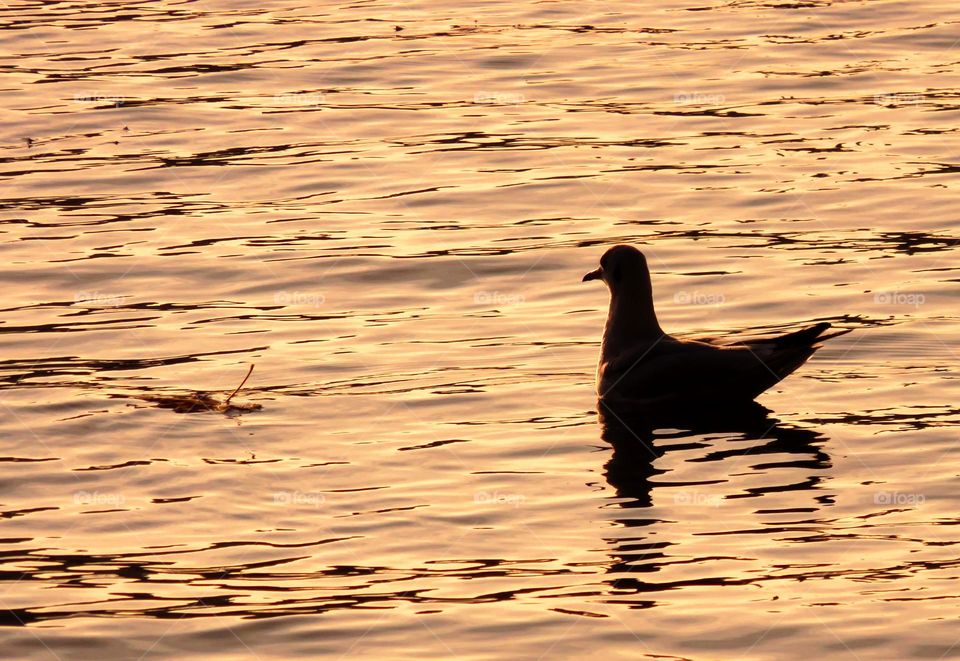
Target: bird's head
621, 265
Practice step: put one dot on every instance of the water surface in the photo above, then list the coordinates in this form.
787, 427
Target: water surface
387, 209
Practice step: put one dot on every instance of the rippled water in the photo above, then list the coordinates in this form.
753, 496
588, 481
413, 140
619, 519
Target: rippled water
387, 209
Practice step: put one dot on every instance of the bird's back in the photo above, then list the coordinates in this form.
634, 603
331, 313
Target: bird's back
668, 368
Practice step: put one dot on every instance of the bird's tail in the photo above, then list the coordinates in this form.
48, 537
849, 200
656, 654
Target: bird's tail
790, 351
807, 336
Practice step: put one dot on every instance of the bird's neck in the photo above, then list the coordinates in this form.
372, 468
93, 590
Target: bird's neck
631, 320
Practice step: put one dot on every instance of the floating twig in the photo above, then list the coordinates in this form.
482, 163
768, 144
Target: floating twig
199, 401
230, 396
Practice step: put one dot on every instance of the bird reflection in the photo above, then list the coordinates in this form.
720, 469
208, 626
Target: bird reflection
640, 437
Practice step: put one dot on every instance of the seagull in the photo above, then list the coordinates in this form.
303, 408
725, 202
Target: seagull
641, 363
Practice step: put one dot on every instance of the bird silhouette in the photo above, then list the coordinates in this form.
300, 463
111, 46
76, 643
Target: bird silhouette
640, 362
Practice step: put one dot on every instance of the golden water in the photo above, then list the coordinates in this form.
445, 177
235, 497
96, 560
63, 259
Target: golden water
387, 207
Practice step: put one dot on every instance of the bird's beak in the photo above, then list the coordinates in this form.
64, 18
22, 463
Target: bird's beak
596, 274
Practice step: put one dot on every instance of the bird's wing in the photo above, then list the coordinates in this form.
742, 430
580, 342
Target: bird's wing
689, 368
683, 366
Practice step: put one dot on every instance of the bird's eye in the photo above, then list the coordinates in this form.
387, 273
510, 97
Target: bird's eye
615, 274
